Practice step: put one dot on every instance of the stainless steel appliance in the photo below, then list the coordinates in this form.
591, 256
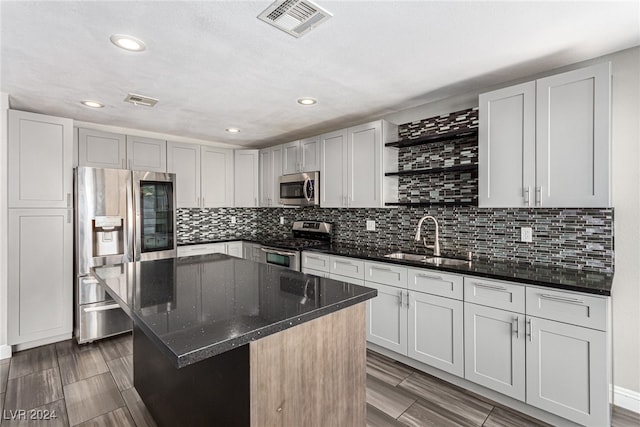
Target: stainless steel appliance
121, 216
300, 189
305, 235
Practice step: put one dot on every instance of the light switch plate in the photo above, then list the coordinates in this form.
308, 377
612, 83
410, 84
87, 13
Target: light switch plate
281, 220
371, 225
233, 220
526, 234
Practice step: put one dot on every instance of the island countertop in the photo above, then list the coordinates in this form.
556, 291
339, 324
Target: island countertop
197, 307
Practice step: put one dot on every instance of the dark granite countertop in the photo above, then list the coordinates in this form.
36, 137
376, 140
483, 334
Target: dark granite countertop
559, 278
255, 238
200, 306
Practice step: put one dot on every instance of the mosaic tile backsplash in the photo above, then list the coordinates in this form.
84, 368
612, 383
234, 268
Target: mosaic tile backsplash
460, 186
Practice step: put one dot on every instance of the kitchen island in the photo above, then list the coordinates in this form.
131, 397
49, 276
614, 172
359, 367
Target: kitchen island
224, 341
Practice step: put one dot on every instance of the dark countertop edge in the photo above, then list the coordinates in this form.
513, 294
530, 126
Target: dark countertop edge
488, 275
221, 240
223, 346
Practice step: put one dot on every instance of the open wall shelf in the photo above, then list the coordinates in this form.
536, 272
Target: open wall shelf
432, 204
456, 168
463, 133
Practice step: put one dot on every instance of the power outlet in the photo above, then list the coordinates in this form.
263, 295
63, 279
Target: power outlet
371, 225
233, 220
281, 220
526, 234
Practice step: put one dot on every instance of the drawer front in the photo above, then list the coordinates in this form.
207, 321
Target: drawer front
202, 249
385, 274
494, 293
101, 320
346, 279
347, 267
436, 283
315, 261
569, 307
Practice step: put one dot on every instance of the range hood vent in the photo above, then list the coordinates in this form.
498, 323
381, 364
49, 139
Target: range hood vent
147, 101
295, 17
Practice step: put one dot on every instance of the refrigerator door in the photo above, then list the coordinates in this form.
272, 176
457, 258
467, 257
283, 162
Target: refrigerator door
154, 204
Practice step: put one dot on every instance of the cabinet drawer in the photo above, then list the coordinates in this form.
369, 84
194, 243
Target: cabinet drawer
494, 293
385, 274
315, 261
347, 267
346, 279
569, 307
318, 273
436, 283
201, 249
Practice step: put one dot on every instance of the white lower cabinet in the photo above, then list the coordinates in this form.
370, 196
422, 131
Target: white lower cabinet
230, 248
495, 349
234, 249
387, 318
40, 273
436, 332
251, 251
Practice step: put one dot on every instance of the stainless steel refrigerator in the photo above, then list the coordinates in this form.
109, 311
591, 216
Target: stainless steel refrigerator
121, 216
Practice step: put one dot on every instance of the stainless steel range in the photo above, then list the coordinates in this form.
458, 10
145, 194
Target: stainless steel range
304, 235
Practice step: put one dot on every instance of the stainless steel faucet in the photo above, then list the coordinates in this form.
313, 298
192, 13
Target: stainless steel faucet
436, 240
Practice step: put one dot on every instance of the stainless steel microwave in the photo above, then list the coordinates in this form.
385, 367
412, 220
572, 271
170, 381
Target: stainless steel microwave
300, 189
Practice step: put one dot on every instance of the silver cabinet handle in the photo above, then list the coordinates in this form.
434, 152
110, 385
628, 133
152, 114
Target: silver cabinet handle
69, 200
124, 163
429, 276
69, 215
408, 299
516, 321
130, 163
539, 196
525, 194
562, 299
401, 298
530, 329
487, 286
344, 262
255, 201
198, 201
375, 267
203, 202
100, 308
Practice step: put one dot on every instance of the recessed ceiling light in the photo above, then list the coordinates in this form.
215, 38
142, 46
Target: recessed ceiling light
126, 42
232, 130
307, 101
92, 104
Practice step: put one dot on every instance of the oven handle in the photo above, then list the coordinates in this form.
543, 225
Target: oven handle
277, 252
304, 189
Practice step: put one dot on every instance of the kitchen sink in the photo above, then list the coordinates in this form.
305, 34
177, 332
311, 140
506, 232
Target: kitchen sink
426, 259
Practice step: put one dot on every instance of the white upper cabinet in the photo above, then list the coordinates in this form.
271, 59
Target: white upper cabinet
216, 177
270, 170
101, 149
351, 165
146, 154
184, 160
573, 155
507, 146
111, 150
301, 156
246, 178
40, 155
546, 143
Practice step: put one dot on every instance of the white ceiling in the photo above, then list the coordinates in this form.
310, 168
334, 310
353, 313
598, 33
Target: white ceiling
214, 65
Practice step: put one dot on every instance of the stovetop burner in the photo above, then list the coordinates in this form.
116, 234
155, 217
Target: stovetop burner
299, 244
305, 234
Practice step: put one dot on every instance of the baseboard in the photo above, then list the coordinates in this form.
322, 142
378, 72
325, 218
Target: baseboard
5, 351
627, 399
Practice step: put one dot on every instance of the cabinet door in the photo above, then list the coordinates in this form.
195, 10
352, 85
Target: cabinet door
567, 371
276, 158
506, 147
333, 169
216, 177
40, 272
235, 249
290, 157
246, 178
266, 173
310, 154
184, 161
40, 161
572, 138
387, 318
364, 166
146, 154
101, 149
435, 332
494, 349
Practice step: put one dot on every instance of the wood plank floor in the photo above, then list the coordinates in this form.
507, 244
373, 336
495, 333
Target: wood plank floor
92, 385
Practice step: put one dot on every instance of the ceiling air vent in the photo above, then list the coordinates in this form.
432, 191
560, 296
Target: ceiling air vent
147, 101
295, 17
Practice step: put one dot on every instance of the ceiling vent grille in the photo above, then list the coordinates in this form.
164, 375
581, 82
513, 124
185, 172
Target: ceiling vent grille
147, 101
295, 17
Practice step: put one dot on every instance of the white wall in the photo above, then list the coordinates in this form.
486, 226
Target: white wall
5, 350
625, 139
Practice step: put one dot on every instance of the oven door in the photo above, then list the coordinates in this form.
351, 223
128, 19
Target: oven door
299, 189
154, 206
281, 257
